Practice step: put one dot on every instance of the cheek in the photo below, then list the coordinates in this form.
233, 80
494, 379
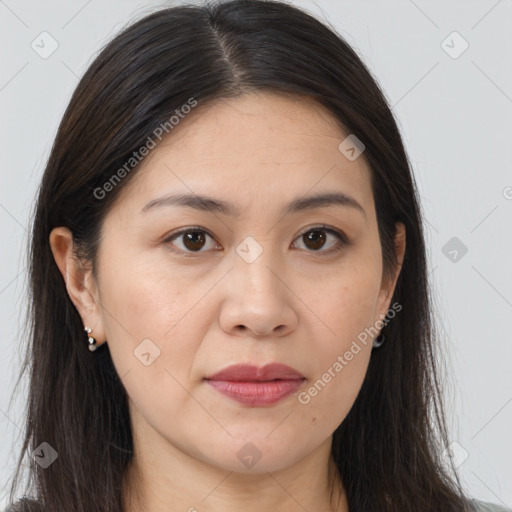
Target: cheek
152, 336
149, 317
346, 305
346, 300
145, 295
340, 364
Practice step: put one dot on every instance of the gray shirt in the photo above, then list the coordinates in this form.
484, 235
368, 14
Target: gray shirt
485, 506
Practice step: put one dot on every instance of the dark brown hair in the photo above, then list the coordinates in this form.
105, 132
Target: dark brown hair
388, 450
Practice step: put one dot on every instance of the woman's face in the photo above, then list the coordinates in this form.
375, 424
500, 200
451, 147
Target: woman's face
254, 283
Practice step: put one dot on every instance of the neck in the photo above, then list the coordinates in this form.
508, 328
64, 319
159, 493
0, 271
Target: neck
165, 479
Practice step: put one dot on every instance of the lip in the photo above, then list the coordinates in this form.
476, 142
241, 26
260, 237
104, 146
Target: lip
257, 386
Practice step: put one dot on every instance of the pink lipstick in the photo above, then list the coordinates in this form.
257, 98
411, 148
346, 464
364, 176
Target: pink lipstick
254, 386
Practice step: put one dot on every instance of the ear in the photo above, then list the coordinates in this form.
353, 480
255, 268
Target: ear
80, 283
388, 285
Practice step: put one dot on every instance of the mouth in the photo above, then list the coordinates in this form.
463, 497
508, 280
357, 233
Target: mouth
254, 386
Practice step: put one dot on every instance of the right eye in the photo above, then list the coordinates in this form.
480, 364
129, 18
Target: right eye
193, 239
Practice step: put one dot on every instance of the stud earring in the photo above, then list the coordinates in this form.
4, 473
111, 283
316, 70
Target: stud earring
91, 340
379, 340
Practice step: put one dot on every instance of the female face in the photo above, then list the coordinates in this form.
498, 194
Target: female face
259, 273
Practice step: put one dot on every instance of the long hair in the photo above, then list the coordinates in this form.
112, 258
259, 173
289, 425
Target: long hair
389, 449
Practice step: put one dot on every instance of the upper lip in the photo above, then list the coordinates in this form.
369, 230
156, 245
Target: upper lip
249, 372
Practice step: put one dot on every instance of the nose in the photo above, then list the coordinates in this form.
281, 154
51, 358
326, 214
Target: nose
258, 302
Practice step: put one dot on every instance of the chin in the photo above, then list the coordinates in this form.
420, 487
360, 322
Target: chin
256, 456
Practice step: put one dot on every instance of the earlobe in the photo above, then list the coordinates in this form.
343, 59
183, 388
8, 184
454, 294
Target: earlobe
78, 278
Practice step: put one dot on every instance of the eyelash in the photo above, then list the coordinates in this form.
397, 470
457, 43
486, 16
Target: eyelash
342, 239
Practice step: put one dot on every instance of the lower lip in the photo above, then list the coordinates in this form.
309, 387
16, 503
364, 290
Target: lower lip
257, 393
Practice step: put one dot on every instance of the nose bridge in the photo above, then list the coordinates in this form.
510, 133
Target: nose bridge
259, 301
254, 260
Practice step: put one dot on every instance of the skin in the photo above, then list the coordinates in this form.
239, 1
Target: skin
295, 304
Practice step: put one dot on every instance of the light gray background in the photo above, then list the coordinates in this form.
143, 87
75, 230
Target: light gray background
455, 115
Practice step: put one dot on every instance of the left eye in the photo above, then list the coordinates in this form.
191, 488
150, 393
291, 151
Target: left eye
194, 239
316, 238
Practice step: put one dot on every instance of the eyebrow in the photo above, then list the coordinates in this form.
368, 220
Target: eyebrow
205, 203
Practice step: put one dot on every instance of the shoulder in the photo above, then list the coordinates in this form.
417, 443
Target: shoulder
25, 505
484, 506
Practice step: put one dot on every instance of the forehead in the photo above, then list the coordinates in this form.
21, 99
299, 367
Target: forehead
259, 143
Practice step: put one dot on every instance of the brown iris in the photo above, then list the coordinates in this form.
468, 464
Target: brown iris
194, 240
316, 238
